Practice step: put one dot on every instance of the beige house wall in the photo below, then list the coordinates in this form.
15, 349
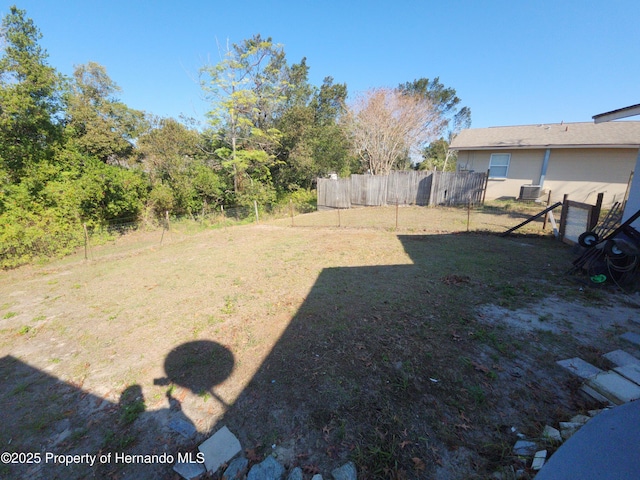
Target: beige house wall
579, 173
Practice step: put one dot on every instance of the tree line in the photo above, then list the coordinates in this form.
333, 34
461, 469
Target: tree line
71, 152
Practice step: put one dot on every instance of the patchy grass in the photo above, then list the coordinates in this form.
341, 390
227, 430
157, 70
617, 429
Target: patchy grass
361, 343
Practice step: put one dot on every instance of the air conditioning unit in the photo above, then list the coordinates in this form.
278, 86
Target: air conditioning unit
530, 192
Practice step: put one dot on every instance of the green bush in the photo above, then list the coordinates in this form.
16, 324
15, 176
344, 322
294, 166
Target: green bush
42, 215
304, 201
161, 199
108, 193
26, 236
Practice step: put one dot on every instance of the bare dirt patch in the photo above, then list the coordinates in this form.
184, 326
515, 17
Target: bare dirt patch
316, 344
582, 321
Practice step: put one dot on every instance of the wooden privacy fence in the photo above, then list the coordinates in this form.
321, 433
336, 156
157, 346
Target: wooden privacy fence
334, 193
457, 188
403, 188
409, 188
369, 189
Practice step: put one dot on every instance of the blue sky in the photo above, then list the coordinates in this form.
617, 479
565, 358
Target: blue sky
512, 62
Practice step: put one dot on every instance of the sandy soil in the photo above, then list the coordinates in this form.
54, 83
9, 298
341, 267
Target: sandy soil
326, 344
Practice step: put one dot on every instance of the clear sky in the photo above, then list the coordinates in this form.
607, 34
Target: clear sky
512, 62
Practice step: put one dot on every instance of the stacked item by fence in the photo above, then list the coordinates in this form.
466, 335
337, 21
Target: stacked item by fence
612, 254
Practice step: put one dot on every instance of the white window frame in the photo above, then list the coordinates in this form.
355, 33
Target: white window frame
500, 165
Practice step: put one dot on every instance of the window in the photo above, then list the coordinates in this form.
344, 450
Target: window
499, 165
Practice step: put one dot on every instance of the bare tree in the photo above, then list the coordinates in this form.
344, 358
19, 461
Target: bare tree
387, 126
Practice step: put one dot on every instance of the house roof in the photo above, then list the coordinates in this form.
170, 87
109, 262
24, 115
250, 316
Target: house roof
556, 135
616, 114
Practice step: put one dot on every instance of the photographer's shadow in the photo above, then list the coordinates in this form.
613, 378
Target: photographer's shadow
197, 366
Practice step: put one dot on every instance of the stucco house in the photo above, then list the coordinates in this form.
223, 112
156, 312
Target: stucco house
633, 203
576, 159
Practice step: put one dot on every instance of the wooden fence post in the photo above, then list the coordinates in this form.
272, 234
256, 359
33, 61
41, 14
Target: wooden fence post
291, 210
546, 217
165, 226
396, 213
204, 204
223, 220
86, 241
486, 184
563, 215
595, 212
434, 188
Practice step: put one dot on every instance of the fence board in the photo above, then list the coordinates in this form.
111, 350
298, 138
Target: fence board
457, 188
402, 187
577, 218
576, 223
334, 193
409, 187
368, 190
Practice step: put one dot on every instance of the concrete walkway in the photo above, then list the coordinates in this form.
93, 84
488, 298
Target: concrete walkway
607, 447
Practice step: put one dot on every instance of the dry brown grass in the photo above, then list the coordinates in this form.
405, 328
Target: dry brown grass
333, 343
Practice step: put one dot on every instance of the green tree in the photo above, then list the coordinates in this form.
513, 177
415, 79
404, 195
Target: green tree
246, 90
184, 178
455, 116
109, 193
29, 97
312, 144
51, 182
166, 147
329, 102
298, 91
444, 100
98, 124
437, 156
330, 144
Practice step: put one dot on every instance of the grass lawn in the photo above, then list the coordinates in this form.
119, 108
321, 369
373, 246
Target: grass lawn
315, 344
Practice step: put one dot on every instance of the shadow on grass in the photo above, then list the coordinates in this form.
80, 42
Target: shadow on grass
374, 367
369, 368
54, 429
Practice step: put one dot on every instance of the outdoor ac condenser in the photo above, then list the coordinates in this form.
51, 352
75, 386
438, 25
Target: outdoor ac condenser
529, 192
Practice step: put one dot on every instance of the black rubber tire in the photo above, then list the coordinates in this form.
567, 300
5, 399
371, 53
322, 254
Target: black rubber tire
613, 250
588, 239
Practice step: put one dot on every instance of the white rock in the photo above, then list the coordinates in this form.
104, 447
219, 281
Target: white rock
539, 459
221, 447
552, 434
524, 448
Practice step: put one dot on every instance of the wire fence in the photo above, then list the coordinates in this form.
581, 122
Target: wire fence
498, 217
441, 219
126, 235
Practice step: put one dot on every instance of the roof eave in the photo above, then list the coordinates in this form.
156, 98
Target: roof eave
617, 114
537, 147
